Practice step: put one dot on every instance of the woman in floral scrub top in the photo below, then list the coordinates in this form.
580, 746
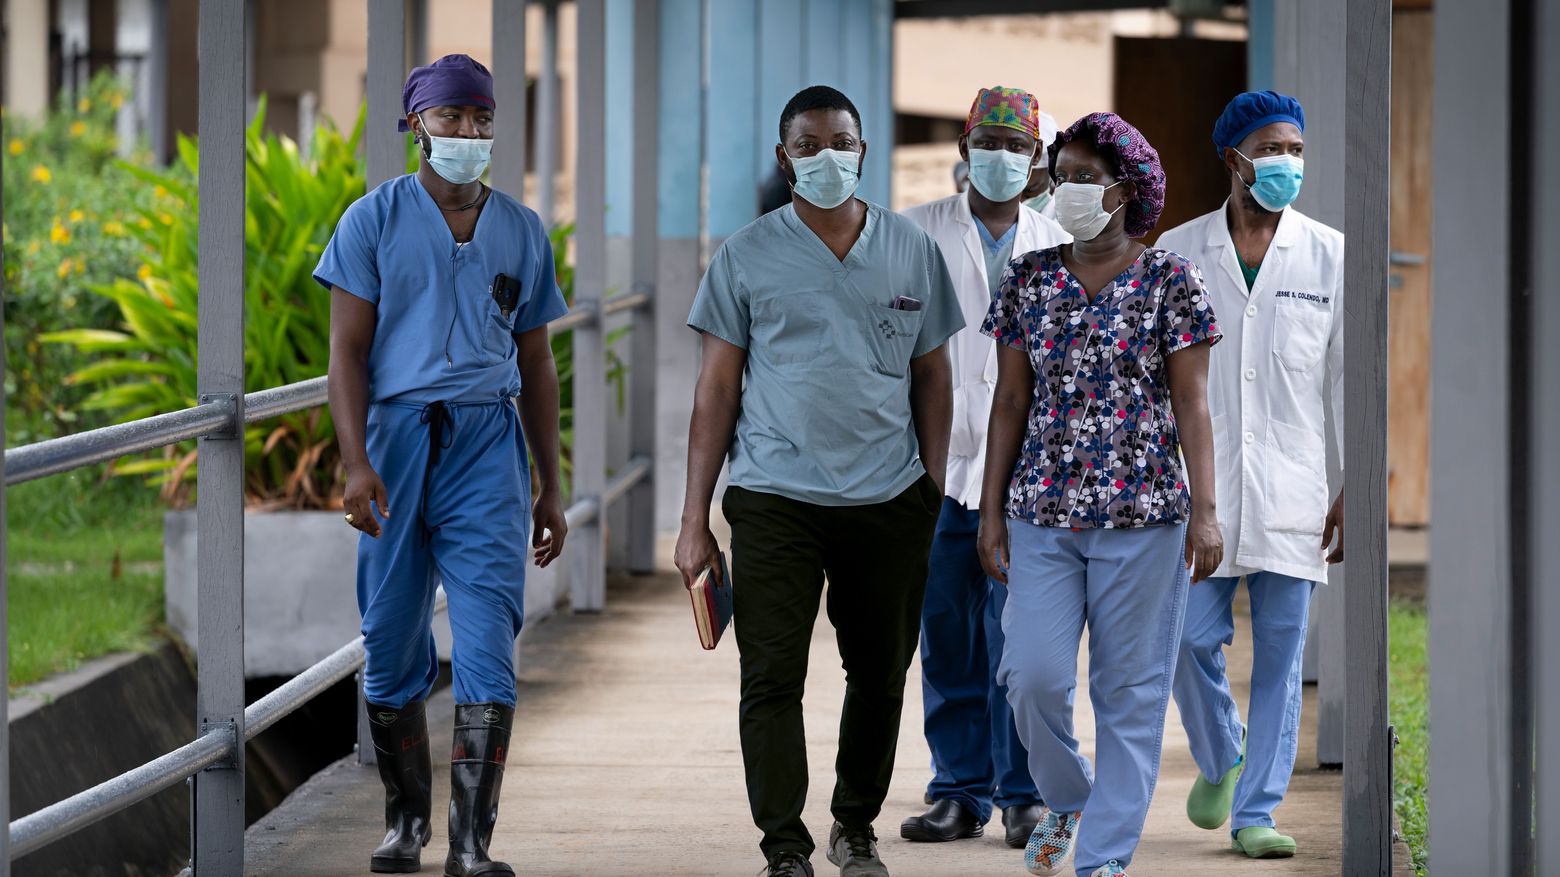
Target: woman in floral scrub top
1086, 512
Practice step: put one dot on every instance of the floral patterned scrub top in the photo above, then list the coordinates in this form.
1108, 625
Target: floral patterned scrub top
1100, 448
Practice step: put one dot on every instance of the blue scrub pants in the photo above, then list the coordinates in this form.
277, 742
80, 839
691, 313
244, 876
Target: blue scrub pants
464, 519
1280, 610
977, 758
1129, 586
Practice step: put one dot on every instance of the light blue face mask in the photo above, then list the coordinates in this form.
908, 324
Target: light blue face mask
827, 179
1278, 180
457, 159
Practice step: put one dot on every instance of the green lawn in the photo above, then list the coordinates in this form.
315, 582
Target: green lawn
84, 563
1410, 707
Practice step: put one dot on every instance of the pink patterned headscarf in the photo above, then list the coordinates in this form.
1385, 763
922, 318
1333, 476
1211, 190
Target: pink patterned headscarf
1124, 148
1007, 108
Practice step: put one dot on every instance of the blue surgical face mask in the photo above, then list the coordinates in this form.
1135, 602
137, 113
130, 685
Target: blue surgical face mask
827, 179
1278, 180
998, 174
459, 160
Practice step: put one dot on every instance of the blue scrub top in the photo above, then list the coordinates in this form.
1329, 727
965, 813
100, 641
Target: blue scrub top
826, 415
441, 337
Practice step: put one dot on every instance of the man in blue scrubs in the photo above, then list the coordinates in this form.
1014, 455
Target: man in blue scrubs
441, 291
836, 313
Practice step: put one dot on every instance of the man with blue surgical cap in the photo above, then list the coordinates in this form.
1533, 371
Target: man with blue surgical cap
441, 291
1276, 277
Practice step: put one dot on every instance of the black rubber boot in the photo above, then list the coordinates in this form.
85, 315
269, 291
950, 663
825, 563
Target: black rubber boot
406, 768
476, 774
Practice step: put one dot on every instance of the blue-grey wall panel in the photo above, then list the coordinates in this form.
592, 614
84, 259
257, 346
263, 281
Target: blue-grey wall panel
731, 135
781, 55
680, 134
824, 35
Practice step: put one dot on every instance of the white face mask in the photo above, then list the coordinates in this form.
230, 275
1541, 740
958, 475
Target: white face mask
1079, 209
998, 174
457, 159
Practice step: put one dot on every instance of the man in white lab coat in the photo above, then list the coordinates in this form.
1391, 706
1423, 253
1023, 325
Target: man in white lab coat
1276, 277
977, 758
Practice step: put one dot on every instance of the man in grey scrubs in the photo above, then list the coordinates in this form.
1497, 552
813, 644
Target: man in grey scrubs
836, 312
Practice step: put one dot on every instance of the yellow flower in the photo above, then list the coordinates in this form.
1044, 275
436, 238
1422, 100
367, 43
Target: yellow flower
81, 267
165, 219
59, 234
40, 174
114, 228
17, 146
117, 101
77, 216
144, 222
159, 192
84, 105
144, 272
78, 128
64, 269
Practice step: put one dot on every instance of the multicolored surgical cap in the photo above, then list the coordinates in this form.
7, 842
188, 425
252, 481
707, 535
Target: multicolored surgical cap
451, 81
1126, 149
1006, 107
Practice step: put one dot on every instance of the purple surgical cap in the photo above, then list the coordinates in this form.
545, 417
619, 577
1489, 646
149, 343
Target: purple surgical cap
1251, 110
1124, 148
451, 81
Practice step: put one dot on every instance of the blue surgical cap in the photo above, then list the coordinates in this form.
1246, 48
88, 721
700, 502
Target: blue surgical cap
451, 81
1252, 110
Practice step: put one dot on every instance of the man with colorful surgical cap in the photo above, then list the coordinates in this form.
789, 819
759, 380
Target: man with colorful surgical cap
441, 291
977, 759
1278, 276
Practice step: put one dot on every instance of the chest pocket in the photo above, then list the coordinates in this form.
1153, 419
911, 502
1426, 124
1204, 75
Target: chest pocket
497, 331
1300, 336
890, 336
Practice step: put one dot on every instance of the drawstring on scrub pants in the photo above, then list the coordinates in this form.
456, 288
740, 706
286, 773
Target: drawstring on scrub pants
441, 435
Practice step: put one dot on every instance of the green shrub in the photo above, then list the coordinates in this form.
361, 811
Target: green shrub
148, 366
72, 215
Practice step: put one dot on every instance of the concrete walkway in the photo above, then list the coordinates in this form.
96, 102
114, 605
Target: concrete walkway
626, 762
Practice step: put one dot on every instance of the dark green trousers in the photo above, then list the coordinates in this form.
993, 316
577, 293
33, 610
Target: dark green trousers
874, 557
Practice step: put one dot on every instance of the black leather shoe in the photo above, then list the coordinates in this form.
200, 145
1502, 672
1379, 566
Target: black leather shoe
1020, 823
476, 774
406, 769
947, 820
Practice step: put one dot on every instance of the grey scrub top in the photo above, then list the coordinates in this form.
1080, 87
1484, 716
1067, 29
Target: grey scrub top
826, 404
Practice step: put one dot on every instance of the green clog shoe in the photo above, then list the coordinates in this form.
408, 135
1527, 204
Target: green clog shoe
1261, 842
1208, 804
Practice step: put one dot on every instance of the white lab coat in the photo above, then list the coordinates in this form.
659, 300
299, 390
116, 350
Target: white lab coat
1267, 379
974, 356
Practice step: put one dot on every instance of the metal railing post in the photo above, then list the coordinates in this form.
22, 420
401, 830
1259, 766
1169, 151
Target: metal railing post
509, 93
642, 375
5, 622
385, 152
1367, 756
548, 119
218, 792
587, 547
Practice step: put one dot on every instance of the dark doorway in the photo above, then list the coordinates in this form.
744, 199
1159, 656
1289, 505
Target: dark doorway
1172, 89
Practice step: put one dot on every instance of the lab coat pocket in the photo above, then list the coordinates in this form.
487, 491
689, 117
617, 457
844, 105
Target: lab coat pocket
1300, 337
1296, 483
891, 338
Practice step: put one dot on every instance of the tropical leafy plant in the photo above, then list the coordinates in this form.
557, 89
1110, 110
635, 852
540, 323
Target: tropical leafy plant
147, 365
291, 206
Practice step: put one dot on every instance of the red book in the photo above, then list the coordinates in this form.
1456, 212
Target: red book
712, 604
